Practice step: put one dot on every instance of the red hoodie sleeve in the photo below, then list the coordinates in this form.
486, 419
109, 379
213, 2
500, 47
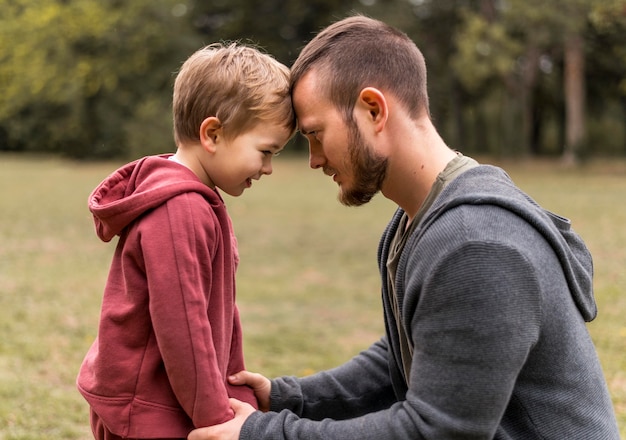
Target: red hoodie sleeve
190, 276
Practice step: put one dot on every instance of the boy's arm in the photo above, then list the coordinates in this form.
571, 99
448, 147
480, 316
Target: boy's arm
236, 364
177, 248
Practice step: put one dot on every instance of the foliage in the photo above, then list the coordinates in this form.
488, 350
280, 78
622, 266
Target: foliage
93, 79
488, 48
75, 70
280, 27
518, 47
608, 25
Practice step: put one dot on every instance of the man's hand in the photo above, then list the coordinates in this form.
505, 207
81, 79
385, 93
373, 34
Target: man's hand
226, 431
260, 384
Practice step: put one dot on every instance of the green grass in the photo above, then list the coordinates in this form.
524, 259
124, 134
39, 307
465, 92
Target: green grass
307, 283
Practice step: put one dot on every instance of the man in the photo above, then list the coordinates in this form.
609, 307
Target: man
485, 294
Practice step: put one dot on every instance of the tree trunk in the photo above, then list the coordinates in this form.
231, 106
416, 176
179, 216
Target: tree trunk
530, 71
574, 90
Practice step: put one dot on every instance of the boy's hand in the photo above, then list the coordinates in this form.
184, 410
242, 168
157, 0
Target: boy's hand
259, 384
226, 431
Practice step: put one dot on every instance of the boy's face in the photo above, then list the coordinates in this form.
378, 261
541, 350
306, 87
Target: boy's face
239, 161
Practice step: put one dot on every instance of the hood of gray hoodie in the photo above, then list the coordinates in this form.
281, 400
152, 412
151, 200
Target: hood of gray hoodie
475, 187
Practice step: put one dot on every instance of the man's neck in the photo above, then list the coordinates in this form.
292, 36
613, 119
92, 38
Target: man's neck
412, 172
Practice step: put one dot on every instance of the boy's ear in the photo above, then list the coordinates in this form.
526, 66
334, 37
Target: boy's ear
210, 133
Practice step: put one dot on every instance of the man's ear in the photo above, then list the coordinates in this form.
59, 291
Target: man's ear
373, 104
210, 133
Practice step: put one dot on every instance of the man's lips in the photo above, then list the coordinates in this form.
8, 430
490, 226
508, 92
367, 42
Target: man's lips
330, 172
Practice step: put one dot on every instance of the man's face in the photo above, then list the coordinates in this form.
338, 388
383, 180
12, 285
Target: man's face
336, 147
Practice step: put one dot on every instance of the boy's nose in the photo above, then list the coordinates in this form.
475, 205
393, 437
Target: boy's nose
267, 168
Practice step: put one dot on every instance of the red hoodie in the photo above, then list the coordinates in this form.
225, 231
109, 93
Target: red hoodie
169, 331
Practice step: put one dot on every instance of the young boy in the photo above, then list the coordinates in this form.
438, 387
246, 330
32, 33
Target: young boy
169, 332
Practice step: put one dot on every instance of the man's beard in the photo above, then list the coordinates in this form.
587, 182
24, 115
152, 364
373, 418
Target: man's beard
368, 170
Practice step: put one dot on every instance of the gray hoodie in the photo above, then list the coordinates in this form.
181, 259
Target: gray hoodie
494, 292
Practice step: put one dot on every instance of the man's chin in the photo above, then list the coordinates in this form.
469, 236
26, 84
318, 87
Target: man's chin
354, 198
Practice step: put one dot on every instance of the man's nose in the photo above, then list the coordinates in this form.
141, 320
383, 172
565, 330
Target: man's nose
316, 155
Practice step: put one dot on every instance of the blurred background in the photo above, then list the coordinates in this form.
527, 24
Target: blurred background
507, 78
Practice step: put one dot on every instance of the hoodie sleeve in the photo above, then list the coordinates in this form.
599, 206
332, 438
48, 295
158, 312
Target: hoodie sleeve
190, 304
456, 386
355, 388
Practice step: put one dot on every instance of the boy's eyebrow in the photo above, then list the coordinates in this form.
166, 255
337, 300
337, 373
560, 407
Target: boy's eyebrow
275, 147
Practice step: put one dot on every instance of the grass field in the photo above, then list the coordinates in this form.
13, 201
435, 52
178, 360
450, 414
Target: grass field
307, 283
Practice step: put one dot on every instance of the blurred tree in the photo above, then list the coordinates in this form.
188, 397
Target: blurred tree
280, 27
73, 72
578, 12
500, 48
513, 46
433, 25
93, 79
606, 75
484, 63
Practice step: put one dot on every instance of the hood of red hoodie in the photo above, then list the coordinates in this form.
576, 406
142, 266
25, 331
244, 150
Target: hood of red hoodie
139, 186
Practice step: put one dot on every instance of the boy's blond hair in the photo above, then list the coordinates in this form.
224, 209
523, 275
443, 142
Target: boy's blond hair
236, 83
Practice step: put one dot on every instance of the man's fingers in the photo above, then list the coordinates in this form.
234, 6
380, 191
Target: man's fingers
198, 434
241, 409
237, 378
244, 377
259, 383
235, 404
